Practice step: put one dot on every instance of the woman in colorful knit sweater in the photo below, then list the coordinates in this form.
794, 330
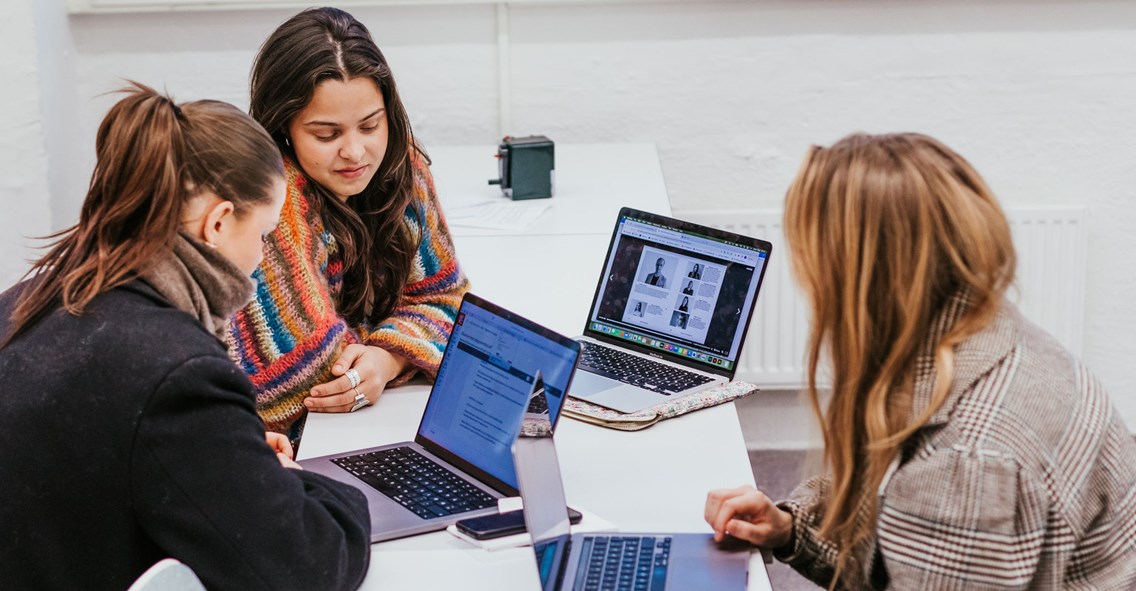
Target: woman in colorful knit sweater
359, 285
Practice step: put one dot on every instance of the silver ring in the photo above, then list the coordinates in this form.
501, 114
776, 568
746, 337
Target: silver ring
360, 400
353, 375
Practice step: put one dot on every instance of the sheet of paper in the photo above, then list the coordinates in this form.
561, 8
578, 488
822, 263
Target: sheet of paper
498, 215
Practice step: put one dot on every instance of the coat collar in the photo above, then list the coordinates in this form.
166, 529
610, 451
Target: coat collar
974, 357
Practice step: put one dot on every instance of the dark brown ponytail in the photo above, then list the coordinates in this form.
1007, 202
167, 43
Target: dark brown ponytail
152, 156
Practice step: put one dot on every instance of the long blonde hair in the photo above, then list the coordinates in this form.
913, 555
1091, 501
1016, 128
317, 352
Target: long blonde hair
884, 229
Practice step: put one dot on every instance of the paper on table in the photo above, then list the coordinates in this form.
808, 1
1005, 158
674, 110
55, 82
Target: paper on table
497, 215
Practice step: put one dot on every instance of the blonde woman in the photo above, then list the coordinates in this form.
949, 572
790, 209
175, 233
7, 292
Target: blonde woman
963, 446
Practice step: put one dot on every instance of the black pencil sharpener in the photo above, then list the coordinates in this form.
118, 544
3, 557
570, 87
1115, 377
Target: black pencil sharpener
527, 167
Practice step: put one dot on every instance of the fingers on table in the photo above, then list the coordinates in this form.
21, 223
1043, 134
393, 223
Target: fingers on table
342, 401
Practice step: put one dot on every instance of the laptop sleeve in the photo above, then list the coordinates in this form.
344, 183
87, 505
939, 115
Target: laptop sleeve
613, 419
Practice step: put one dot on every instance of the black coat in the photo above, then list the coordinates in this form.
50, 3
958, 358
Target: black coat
128, 435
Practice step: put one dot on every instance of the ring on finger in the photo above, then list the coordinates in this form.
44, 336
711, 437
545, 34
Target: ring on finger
353, 375
360, 400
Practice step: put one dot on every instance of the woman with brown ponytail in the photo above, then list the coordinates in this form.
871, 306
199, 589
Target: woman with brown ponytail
360, 283
129, 435
964, 447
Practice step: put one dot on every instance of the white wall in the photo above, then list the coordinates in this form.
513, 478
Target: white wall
55, 53
23, 160
1039, 94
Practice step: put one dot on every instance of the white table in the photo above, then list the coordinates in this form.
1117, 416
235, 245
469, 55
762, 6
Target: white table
592, 182
652, 480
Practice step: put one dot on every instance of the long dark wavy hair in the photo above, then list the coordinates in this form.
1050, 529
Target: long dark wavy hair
376, 243
152, 157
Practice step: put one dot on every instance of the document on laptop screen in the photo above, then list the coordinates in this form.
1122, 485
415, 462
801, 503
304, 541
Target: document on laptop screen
680, 292
483, 386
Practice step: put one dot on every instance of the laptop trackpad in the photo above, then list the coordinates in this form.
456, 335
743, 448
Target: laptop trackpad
586, 383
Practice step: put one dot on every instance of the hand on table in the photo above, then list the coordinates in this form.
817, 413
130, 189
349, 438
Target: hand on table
747, 514
372, 366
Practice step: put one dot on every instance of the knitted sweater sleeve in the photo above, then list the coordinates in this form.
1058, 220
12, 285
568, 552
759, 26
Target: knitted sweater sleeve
288, 336
420, 325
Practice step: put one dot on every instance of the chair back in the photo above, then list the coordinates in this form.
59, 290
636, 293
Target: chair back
168, 575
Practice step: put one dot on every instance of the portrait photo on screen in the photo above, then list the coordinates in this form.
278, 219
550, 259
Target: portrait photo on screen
655, 268
707, 322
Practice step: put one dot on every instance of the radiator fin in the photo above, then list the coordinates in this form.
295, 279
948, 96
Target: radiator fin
1050, 287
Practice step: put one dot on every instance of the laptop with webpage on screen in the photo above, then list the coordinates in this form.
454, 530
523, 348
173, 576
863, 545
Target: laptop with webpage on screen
670, 312
586, 561
460, 462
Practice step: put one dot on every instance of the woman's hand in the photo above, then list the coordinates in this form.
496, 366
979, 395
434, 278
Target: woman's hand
747, 514
374, 367
283, 448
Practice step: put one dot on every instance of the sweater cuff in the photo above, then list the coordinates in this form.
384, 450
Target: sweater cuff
404, 377
795, 549
422, 355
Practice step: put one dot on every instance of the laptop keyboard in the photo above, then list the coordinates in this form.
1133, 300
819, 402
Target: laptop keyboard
624, 564
638, 371
538, 404
416, 482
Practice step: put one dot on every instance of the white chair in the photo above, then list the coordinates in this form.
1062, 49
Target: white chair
168, 575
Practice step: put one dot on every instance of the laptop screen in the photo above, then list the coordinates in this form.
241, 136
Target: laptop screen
490, 367
546, 510
678, 289
551, 556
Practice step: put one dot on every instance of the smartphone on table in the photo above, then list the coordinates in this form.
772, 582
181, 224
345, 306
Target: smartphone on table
498, 525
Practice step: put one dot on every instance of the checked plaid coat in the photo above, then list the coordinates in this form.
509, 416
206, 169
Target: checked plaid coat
1024, 479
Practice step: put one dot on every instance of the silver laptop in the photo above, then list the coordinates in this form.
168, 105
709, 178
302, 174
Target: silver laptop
670, 312
460, 462
651, 561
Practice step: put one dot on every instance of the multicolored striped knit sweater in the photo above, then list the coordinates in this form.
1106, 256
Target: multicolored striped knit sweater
287, 338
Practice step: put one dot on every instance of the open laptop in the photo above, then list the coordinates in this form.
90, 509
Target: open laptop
460, 462
670, 312
580, 562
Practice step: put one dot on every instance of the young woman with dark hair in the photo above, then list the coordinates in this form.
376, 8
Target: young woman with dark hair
964, 447
130, 435
360, 283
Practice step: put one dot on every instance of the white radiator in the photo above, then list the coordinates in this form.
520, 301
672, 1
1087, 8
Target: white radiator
1050, 287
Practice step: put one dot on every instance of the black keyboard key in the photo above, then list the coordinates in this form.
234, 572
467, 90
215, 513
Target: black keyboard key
538, 404
638, 371
631, 563
416, 482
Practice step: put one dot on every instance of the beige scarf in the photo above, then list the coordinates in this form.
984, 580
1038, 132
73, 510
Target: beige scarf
200, 281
